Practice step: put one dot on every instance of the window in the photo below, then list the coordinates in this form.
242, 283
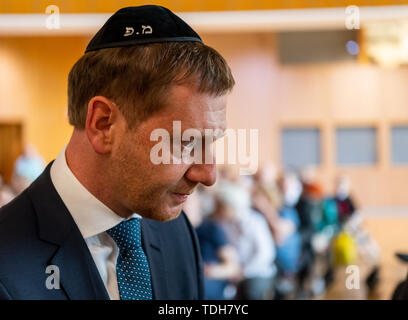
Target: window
399, 144
356, 146
300, 147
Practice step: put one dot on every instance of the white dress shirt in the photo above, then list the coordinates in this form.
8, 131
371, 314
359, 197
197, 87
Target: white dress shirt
93, 219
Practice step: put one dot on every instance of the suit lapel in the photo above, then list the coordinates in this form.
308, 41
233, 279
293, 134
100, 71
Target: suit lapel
79, 275
153, 248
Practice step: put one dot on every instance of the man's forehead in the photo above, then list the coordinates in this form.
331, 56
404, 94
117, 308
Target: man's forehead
192, 110
199, 110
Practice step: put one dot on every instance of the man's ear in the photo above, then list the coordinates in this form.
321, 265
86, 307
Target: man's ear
100, 123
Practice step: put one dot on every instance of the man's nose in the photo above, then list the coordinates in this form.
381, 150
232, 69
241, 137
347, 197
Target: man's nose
202, 173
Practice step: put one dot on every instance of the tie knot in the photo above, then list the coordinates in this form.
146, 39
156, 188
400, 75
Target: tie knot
127, 234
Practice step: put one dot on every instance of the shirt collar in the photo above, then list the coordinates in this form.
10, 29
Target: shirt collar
89, 213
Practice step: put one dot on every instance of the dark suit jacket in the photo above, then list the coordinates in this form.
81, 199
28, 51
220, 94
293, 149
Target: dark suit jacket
37, 230
401, 291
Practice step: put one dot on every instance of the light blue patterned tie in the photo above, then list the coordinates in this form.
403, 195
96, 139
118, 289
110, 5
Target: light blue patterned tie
132, 268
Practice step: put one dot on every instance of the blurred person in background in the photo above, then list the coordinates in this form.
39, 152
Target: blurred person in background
267, 200
288, 252
27, 168
309, 211
340, 242
344, 246
248, 231
221, 266
266, 179
345, 203
351, 224
326, 226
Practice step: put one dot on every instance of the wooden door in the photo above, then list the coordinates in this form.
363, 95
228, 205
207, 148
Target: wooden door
11, 146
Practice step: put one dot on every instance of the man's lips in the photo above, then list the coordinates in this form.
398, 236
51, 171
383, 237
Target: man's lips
181, 196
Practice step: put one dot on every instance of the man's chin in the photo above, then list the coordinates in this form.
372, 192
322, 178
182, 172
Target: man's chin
168, 214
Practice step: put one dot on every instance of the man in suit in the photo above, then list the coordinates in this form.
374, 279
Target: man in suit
105, 221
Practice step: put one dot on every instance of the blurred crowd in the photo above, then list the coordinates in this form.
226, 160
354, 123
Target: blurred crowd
266, 236
278, 236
